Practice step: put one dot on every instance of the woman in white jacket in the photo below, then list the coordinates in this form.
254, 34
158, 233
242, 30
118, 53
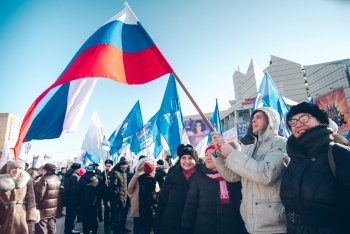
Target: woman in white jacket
259, 164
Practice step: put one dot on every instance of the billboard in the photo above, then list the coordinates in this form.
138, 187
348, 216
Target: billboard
242, 129
335, 104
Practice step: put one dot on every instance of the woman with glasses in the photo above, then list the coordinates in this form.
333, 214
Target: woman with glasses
315, 199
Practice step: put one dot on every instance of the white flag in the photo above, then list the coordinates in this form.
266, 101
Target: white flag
5, 154
93, 140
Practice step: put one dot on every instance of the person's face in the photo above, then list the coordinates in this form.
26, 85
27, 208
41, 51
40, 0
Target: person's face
259, 122
153, 174
64, 171
208, 160
44, 172
187, 162
124, 167
198, 127
302, 122
108, 167
15, 172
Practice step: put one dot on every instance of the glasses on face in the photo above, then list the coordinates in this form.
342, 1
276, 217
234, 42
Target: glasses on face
303, 119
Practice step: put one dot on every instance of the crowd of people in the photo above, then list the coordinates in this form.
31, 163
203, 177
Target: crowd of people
263, 184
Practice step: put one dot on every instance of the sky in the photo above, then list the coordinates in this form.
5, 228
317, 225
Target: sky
204, 41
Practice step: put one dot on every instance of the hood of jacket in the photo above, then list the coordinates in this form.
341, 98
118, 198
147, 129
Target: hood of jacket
8, 183
271, 129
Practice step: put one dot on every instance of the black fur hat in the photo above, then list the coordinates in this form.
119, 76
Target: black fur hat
309, 108
187, 150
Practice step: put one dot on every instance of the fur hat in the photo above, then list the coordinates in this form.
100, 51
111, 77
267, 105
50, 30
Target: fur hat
122, 159
123, 163
309, 108
75, 166
15, 164
187, 150
160, 162
49, 167
148, 167
109, 161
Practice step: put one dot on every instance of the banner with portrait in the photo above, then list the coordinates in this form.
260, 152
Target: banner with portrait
197, 131
335, 104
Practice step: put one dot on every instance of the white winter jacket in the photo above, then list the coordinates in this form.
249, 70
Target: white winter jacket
259, 166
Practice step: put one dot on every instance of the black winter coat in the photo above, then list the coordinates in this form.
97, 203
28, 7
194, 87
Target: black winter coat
203, 213
316, 201
106, 192
88, 190
147, 199
171, 202
160, 176
71, 190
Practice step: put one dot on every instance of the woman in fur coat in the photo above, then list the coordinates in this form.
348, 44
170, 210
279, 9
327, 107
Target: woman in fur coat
17, 201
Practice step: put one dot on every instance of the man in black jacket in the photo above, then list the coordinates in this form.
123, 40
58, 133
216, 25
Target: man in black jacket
106, 190
88, 200
71, 197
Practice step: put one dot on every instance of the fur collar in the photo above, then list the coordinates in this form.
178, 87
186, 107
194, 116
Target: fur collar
8, 183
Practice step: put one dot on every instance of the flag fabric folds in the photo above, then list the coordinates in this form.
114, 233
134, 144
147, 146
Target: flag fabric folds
149, 135
93, 141
268, 96
170, 121
120, 50
131, 125
90, 158
5, 156
59, 111
215, 121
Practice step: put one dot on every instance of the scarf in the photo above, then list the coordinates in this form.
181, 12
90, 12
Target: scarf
224, 195
189, 173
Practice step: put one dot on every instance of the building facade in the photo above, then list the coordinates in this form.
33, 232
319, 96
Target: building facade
327, 84
9, 127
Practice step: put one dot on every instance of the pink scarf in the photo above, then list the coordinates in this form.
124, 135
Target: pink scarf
188, 174
224, 195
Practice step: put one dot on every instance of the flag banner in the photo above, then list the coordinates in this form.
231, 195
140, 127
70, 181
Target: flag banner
148, 135
336, 106
215, 121
201, 146
59, 111
92, 143
90, 158
131, 125
268, 96
170, 120
5, 156
120, 50
196, 130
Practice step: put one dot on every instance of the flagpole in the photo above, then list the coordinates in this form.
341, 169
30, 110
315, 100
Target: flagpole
194, 102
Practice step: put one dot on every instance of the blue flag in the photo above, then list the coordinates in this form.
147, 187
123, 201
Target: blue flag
215, 121
170, 121
90, 158
268, 96
146, 137
127, 130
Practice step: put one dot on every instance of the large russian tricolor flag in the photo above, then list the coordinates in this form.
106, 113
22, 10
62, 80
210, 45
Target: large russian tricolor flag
120, 50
